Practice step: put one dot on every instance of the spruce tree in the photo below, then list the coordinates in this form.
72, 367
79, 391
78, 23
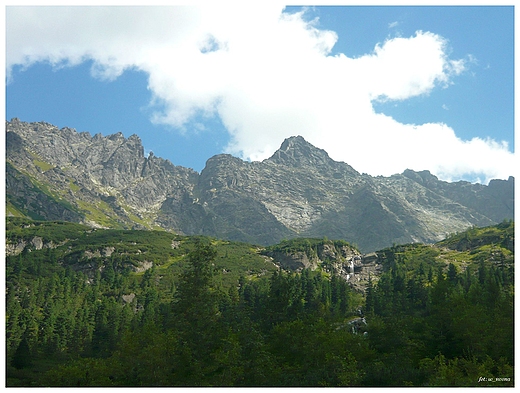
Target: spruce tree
22, 355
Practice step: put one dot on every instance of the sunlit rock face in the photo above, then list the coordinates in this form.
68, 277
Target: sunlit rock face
299, 191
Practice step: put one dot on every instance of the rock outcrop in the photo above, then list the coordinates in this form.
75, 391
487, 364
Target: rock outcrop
334, 257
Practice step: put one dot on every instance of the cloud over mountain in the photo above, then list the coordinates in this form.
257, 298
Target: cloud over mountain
267, 74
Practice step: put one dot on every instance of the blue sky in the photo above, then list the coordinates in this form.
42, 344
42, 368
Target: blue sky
417, 87
71, 98
481, 101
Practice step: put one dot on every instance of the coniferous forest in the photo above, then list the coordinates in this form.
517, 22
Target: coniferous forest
215, 313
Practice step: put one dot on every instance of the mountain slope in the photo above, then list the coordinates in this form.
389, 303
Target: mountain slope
105, 307
298, 192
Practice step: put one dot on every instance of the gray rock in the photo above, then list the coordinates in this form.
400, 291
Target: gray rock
300, 191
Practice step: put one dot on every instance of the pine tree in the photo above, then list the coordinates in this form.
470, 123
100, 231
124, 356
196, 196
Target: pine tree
22, 355
196, 318
452, 274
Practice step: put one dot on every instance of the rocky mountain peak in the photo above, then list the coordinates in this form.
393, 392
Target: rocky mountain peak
299, 191
296, 151
116, 137
421, 177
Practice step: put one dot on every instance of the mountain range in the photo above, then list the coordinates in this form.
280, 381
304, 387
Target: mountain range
62, 174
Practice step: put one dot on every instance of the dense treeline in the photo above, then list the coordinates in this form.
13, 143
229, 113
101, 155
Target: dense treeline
199, 334
437, 325
425, 322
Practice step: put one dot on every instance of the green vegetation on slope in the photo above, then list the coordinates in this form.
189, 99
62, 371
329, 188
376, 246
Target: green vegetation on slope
307, 245
37, 200
501, 235
208, 312
441, 317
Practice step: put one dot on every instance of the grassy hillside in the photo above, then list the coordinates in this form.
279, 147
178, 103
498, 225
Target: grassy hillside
90, 250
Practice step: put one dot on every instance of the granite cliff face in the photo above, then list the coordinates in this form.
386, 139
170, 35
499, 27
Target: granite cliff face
336, 257
300, 191
103, 181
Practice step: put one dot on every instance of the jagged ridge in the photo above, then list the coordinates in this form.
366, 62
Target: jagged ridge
298, 192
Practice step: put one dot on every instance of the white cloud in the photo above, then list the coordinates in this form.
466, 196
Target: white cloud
268, 75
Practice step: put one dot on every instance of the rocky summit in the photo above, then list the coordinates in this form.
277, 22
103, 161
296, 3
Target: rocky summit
61, 174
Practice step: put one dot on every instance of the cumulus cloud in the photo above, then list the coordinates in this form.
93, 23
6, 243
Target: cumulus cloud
267, 75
